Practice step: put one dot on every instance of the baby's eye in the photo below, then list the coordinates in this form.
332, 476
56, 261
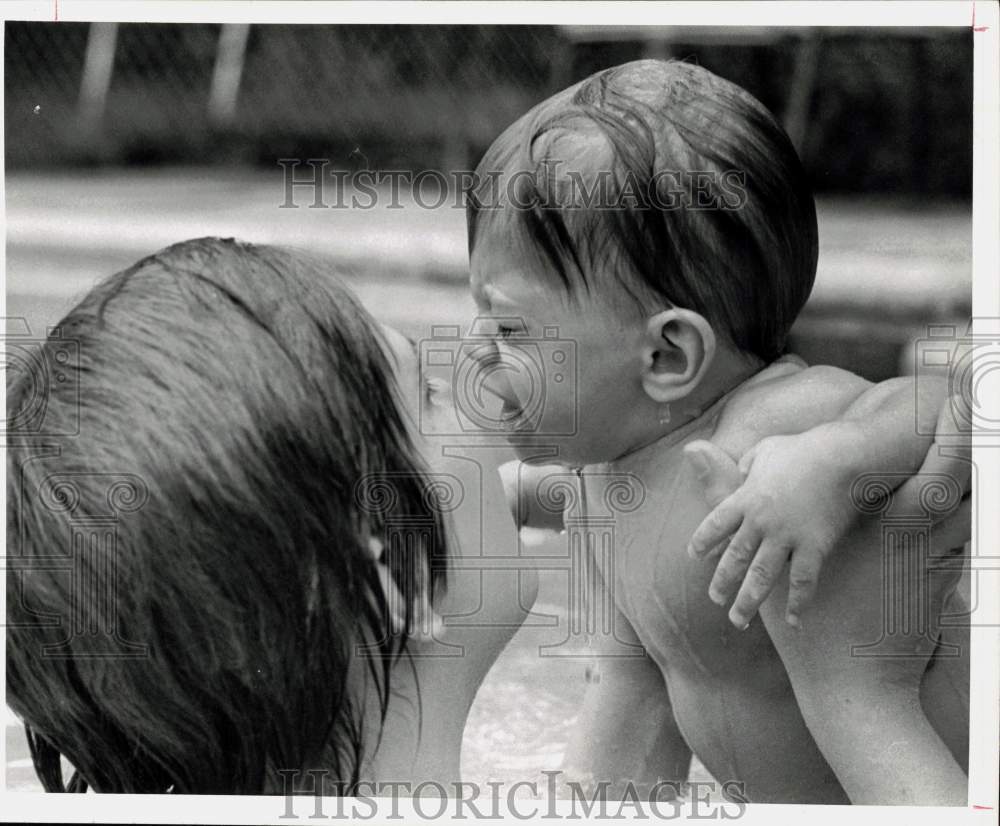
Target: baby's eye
507, 329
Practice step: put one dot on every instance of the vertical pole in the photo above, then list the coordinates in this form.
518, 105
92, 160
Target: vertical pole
561, 64
228, 71
658, 45
920, 119
98, 65
801, 89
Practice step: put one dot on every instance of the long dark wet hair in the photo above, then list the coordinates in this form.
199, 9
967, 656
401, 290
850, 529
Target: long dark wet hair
191, 575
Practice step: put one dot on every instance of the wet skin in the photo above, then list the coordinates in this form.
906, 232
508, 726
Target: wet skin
774, 707
481, 609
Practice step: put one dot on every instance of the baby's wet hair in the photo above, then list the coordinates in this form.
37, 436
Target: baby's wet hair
244, 393
660, 181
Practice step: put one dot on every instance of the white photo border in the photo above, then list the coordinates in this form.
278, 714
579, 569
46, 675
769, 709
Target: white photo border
983, 18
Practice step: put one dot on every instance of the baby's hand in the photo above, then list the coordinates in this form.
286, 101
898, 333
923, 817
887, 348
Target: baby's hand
789, 497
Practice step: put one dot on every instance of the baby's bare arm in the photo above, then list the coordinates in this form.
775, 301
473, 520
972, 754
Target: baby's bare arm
796, 498
889, 424
794, 401
626, 731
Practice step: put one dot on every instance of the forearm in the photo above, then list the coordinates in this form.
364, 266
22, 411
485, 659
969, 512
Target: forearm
895, 421
889, 427
864, 713
883, 750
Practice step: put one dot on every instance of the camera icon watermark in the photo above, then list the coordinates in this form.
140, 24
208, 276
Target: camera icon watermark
503, 380
918, 575
83, 565
35, 369
970, 360
410, 514
591, 513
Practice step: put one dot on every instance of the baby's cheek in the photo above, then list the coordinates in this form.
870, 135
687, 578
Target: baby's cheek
599, 403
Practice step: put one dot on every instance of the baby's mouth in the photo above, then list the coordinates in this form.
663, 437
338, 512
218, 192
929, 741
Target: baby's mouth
511, 417
511, 414
517, 422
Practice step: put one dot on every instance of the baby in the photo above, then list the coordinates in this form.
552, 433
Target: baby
658, 217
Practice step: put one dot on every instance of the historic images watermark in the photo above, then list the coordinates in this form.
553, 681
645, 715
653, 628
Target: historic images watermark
315, 183
969, 358
589, 539
917, 576
85, 560
502, 379
521, 799
39, 371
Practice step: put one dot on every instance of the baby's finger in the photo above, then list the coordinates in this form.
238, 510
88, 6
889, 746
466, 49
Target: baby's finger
803, 577
715, 469
717, 527
761, 578
718, 550
733, 565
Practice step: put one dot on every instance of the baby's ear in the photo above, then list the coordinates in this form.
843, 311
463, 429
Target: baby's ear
678, 347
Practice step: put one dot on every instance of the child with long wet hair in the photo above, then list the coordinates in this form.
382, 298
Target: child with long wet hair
246, 393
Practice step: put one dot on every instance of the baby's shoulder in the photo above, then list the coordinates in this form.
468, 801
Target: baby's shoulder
782, 399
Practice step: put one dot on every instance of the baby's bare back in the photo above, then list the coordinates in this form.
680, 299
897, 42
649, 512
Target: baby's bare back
731, 697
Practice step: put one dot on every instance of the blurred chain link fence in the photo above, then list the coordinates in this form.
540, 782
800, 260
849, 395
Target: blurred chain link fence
140, 92
871, 110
